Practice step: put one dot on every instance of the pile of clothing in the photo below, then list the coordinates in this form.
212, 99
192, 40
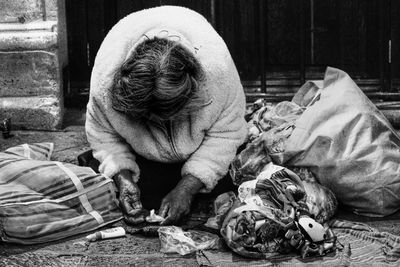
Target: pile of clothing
330, 140
276, 209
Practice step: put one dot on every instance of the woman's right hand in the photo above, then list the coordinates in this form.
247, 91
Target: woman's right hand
129, 198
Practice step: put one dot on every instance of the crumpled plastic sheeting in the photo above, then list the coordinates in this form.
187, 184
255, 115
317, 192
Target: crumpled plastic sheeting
250, 162
222, 204
174, 239
265, 118
321, 202
258, 153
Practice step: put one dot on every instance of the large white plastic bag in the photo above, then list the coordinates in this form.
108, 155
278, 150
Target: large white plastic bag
349, 145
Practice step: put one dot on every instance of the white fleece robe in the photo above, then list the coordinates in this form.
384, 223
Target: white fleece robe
207, 140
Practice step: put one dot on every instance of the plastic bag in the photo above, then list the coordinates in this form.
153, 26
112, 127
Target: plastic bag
174, 239
222, 205
250, 162
266, 117
347, 143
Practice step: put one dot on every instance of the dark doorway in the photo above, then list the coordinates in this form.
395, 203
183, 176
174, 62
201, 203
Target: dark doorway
276, 44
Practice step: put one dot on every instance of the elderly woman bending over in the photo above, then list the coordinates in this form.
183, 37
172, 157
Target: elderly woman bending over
166, 110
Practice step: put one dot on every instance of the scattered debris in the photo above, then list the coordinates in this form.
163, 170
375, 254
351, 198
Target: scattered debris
82, 243
174, 239
5, 128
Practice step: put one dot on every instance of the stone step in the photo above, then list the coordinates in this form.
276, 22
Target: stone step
30, 69
32, 113
28, 40
29, 73
39, 25
27, 10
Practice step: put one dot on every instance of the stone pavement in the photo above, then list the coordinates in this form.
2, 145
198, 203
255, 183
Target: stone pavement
132, 250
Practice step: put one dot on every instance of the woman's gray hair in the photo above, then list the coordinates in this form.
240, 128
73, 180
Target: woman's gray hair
159, 80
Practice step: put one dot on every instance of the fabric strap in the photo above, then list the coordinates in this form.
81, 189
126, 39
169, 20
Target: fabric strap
27, 151
83, 198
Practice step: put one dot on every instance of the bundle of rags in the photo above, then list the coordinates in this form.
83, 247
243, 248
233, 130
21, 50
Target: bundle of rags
276, 212
277, 209
43, 200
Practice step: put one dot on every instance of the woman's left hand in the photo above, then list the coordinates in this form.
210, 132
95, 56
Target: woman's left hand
177, 203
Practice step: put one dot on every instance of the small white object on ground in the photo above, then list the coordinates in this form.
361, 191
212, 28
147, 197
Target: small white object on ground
107, 233
154, 218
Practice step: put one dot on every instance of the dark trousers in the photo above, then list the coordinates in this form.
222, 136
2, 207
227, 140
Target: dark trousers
158, 179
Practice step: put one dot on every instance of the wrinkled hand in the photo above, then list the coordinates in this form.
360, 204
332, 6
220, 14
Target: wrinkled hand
129, 198
177, 203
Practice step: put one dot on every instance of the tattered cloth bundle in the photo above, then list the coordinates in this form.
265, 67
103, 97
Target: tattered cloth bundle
277, 209
43, 200
276, 212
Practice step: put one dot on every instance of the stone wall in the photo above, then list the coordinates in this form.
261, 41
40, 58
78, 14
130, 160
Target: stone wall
32, 60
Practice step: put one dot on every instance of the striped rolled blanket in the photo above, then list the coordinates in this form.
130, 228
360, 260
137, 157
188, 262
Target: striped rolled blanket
43, 200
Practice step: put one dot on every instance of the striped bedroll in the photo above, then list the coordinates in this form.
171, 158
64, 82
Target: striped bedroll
43, 200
